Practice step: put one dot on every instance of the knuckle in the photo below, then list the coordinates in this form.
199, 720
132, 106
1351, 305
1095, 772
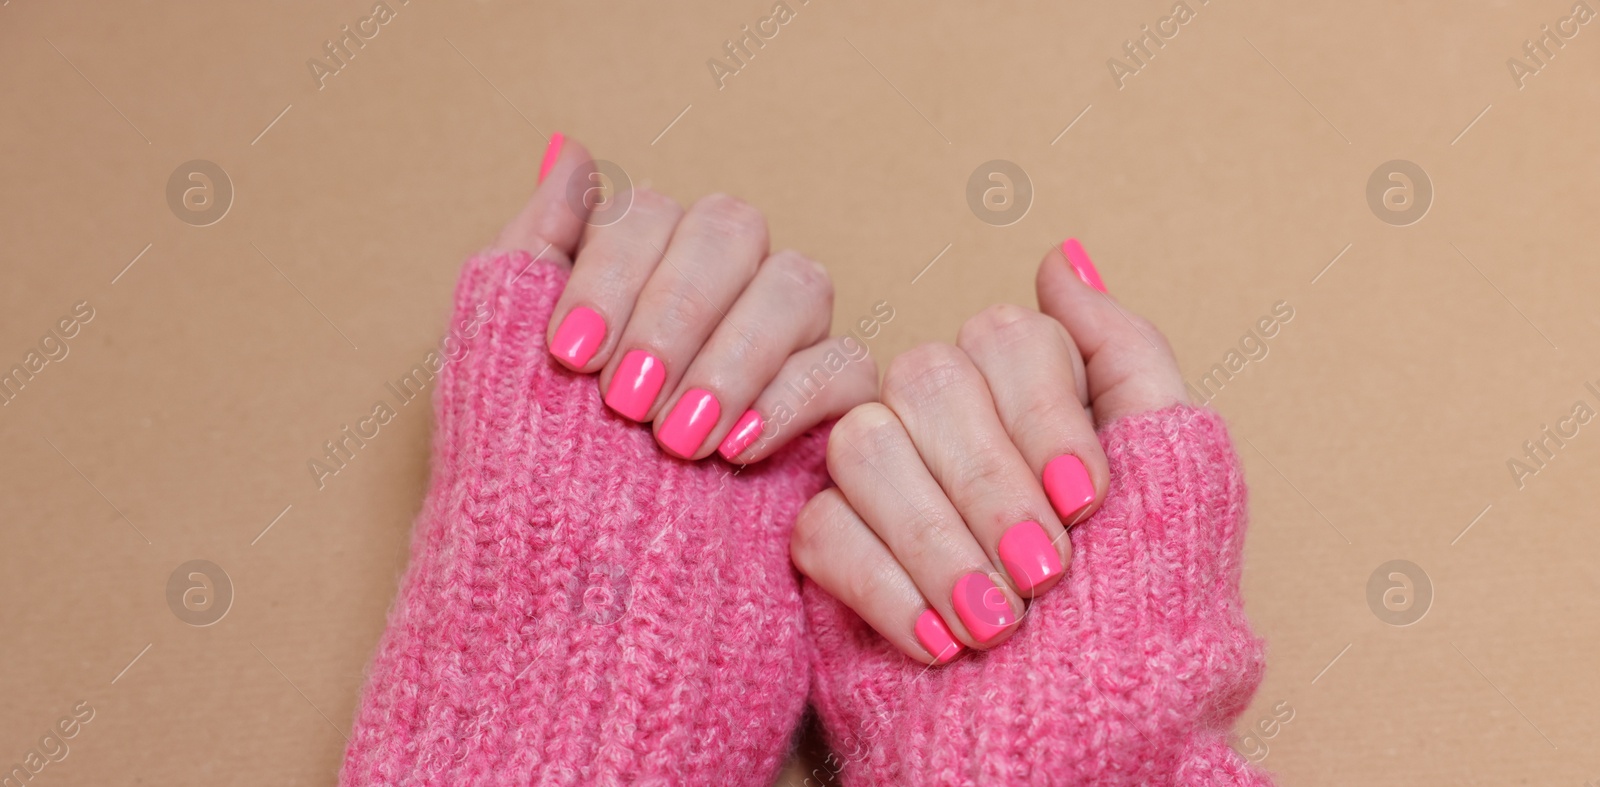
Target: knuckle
996, 318
919, 373
857, 378
1142, 337
733, 352
867, 429
1002, 323
1154, 334
740, 348
682, 311
730, 216
929, 540
1041, 409
865, 586
811, 528
977, 470
1137, 323
804, 275
649, 202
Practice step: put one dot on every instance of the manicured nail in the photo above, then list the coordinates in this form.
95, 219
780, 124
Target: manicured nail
936, 638
1067, 484
744, 434
983, 606
689, 422
634, 388
1030, 558
1080, 263
579, 336
552, 152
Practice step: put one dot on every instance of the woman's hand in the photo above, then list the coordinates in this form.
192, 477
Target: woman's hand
581, 606
954, 494
686, 317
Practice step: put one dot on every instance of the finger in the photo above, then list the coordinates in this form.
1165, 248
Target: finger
610, 271
836, 549
550, 221
712, 256
941, 398
1129, 366
877, 468
787, 306
1027, 361
817, 384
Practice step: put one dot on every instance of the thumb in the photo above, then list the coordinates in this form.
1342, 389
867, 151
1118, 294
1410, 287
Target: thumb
553, 219
1129, 364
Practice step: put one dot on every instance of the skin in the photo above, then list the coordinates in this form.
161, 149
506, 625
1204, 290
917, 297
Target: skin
699, 290
930, 478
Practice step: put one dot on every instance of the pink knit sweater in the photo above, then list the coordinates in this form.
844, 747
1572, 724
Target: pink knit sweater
1130, 672
581, 608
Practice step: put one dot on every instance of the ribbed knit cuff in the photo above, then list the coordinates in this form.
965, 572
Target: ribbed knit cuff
1127, 673
580, 608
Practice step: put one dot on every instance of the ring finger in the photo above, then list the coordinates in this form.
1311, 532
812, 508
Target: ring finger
948, 411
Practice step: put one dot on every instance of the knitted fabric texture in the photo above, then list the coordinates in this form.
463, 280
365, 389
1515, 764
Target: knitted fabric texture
581, 608
1130, 672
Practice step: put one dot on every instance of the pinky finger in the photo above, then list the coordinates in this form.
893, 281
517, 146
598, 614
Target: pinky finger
839, 552
821, 382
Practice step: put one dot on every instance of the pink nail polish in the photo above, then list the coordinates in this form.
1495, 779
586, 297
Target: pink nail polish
1029, 557
634, 388
983, 606
1067, 484
1079, 259
689, 422
552, 152
578, 337
936, 638
744, 435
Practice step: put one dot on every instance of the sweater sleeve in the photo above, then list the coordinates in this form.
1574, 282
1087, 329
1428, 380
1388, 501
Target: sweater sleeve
579, 607
1129, 672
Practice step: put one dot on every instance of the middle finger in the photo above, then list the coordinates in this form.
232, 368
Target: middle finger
712, 256
786, 307
878, 470
947, 409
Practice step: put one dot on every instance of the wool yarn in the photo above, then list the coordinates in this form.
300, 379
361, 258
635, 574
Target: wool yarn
581, 608
1130, 672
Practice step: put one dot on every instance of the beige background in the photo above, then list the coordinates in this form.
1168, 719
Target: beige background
1221, 179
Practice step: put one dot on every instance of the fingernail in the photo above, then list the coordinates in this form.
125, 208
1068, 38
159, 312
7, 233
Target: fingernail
552, 152
936, 638
1030, 558
689, 422
1079, 259
579, 336
744, 435
1067, 484
634, 388
983, 606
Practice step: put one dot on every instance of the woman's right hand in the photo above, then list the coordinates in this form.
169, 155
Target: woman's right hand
685, 316
954, 494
